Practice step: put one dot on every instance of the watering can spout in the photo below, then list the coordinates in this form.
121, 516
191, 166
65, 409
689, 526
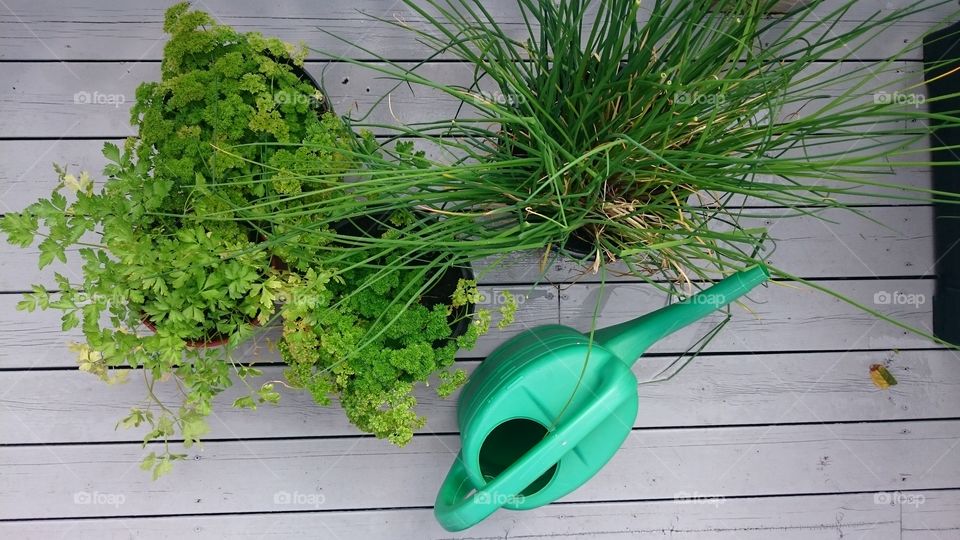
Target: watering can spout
630, 339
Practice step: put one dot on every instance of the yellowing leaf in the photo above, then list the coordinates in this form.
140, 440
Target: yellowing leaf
83, 184
881, 376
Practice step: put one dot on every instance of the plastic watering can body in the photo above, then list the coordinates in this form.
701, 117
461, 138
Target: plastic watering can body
549, 408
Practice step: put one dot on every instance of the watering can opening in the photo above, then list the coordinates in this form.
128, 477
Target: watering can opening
507, 443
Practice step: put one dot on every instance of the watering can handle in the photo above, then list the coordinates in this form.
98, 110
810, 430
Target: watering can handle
456, 511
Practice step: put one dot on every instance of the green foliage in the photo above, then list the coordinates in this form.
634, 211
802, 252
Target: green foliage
233, 119
654, 133
19, 228
192, 282
367, 338
640, 129
163, 242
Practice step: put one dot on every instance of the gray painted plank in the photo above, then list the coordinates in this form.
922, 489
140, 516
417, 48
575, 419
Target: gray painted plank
26, 171
335, 474
823, 517
931, 515
788, 319
76, 407
779, 316
84, 99
882, 242
86, 29
30, 340
840, 243
18, 266
879, 242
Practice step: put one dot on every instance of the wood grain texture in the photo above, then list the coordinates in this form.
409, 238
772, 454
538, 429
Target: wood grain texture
26, 171
785, 319
33, 340
364, 473
931, 515
86, 29
873, 243
778, 316
739, 389
876, 243
92, 99
820, 517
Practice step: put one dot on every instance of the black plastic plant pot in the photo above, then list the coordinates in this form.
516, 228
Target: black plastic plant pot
442, 290
941, 53
578, 245
323, 106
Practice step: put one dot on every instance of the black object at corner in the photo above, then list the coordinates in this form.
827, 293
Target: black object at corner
941, 54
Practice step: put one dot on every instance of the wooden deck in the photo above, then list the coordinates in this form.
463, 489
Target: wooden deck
777, 431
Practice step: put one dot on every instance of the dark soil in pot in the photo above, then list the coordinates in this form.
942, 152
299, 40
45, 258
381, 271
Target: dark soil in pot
578, 245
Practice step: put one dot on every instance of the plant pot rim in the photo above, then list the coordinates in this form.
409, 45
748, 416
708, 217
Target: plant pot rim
576, 247
301, 71
463, 315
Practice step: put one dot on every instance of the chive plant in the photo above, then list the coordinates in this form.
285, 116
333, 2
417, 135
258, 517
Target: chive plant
646, 133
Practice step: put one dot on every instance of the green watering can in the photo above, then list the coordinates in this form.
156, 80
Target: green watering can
546, 410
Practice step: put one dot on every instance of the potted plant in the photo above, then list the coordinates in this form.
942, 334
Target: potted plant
368, 337
171, 249
615, 130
